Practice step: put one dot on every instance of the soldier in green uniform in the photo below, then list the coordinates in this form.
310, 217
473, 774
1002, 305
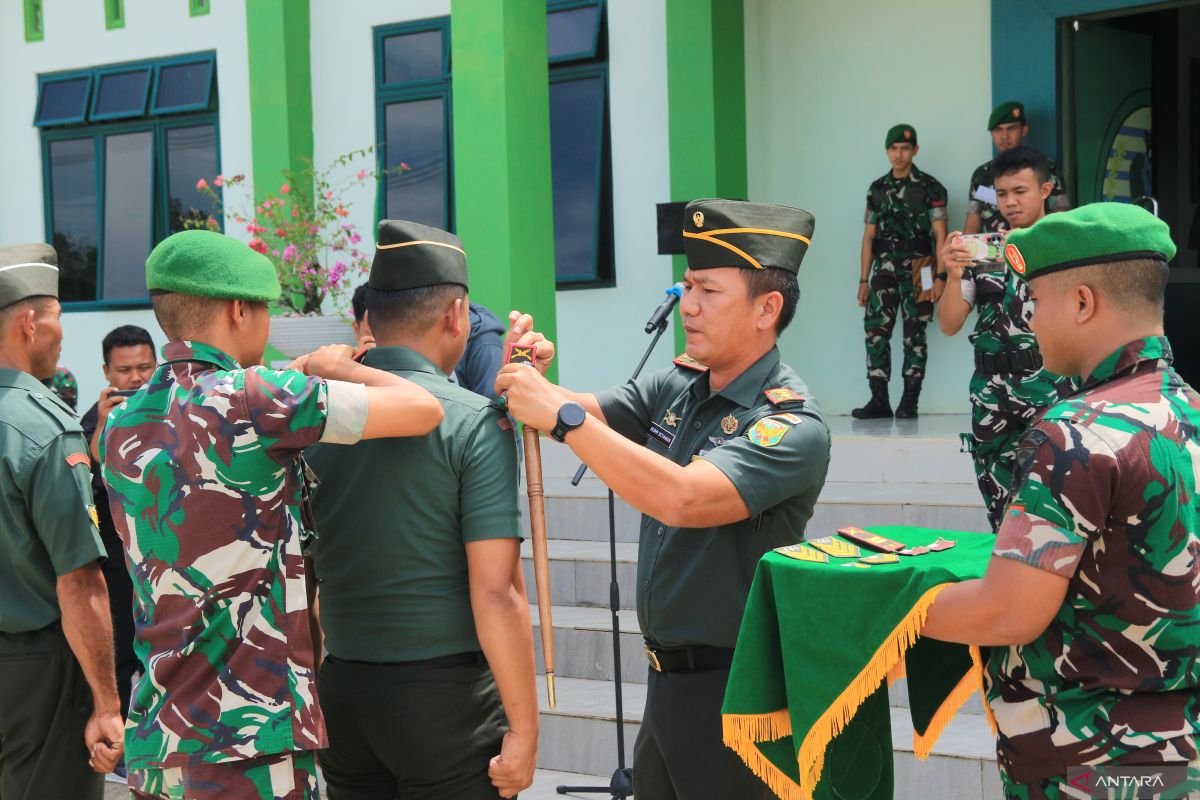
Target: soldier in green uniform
64, 386
724, 454
205, 485
1009, 127
429, 680
1009, 387
905, 225
58, 692
1090, 604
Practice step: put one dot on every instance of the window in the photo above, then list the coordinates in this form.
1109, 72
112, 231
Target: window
122, 150
412, 79
35, 29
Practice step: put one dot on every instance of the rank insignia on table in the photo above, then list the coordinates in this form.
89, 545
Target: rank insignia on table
782, 394
767, 432
519, 354
802, 553
835, 547
880, 558
872, 540
729, 425
671, 419
686, 361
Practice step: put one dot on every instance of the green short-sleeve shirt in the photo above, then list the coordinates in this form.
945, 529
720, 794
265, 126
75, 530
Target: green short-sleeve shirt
393, 517
47, 527
766, 434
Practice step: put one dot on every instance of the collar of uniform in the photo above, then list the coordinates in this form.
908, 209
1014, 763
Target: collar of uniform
394, 358
21, 380
745, 388
914, 174
198, 351
1124, 359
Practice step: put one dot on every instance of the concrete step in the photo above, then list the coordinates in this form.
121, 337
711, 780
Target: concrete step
583, 644
580, 735
580, 572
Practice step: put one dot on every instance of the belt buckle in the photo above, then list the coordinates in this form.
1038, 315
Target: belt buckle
652, 657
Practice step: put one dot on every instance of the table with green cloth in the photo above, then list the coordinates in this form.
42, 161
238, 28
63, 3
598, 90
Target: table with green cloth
806, 706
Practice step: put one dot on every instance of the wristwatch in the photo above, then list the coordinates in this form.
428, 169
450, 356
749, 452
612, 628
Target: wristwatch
570, 417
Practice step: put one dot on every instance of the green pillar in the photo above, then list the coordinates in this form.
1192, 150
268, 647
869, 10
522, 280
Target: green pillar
281, 130
503, 204
706, 104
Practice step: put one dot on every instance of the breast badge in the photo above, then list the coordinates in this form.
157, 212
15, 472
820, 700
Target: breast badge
729, 425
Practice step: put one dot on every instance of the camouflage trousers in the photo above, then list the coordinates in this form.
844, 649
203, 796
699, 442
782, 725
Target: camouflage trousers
892, 293
283, 776
1059, 789
1002, 409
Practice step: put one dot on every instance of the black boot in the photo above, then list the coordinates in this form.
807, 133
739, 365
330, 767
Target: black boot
908, 401
878, 407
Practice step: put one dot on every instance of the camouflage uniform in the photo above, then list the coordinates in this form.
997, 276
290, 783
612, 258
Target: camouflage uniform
1004, 402
205, 484
1105, 497
903, 211
985, 205
64, 385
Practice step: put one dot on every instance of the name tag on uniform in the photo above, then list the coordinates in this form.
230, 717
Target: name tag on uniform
986, 194
661, 434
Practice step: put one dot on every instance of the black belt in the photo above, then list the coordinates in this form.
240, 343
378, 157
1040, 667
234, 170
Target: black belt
687, 659
1008, 363
920, 246
452, 660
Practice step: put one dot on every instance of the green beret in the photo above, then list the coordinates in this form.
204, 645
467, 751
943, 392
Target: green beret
27, 270
1011, 111
210, 264
409, 255
1098, 233
734, 233
905, 134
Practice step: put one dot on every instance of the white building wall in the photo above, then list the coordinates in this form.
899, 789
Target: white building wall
825, 80
75, 39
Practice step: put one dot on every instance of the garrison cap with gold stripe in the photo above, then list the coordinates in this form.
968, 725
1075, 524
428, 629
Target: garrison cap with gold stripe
736, 233
27, 270
409, 255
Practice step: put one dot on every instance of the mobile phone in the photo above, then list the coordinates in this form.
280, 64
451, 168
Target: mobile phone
122, 393
984, 246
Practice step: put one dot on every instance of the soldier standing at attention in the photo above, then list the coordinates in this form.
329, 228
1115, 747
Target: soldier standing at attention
724, 454
429, 684
1009, 128
906, 212
55, 632
1090, 604
1009, 387
205, 485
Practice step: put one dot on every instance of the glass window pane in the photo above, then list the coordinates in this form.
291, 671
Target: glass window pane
122, 93
191, 155
73, 215
576, 139
412, 57
64, 100
572, 33
182, 85
128, 210
416, 136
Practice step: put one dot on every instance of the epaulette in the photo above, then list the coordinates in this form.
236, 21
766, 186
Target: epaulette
782, 395
56, 409
687, 362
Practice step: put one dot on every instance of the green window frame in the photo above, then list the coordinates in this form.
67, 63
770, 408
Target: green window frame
45, 81
35, 21
198, 8
96, 131
114, 14
98, 81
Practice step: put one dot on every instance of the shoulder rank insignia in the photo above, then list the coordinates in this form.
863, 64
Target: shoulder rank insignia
519, 354
767, 432
836, 547
687, 362
802, 553
782, 394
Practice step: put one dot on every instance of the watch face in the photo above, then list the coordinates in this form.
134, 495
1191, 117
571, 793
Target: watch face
572, 415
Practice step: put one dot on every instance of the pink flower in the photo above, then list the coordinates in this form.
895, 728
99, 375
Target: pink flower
355, 238
275, 253
284, 189
289, 252
280, 233
295, 213
329, 195
239, 220
362, 174
404, 166
219, 180
266, 204
201, 184
341, 211
211, 222
258, 245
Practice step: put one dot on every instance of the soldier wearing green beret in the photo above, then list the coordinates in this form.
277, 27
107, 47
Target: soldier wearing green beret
64, 386
905, 226
1090, 603
724, 453
1009, 127
207, 492
58, 691
428, 689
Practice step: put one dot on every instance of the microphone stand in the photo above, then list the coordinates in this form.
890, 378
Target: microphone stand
621, 785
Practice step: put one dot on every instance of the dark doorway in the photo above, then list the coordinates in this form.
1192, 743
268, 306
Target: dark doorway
1130, 132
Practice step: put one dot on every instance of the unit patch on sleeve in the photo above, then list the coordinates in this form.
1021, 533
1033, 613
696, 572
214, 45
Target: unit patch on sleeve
767, 432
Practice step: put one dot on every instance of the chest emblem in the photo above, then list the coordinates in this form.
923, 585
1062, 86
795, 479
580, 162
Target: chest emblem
768, 432
671, 419
729, 425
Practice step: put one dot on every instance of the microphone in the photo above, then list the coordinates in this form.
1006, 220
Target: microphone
659, 317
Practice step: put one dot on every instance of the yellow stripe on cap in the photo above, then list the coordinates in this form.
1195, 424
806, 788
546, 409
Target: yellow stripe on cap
410, 244
711, 237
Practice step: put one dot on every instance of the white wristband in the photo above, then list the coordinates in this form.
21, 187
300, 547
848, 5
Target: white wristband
346, 412
967, 286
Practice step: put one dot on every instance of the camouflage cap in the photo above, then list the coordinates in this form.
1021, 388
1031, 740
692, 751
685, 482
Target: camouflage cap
409, 255
735, 233
210, 264
902, 133
27, 270
1009, 111
1098, 233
